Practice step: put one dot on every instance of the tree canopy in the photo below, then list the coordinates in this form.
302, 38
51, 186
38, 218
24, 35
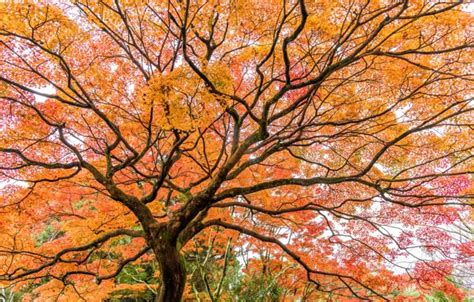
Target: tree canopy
307, 149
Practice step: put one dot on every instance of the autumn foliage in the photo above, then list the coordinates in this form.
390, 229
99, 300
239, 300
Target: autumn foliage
300, 149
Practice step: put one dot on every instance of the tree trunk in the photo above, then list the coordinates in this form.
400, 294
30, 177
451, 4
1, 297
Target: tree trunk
172, 271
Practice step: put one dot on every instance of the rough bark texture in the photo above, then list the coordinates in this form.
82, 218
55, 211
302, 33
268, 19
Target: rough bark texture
172, 270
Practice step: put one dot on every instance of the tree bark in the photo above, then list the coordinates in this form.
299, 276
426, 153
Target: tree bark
172, 270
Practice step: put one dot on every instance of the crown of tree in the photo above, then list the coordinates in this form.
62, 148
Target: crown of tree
314, 149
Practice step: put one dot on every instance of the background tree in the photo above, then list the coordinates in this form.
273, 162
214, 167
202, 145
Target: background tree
332, 135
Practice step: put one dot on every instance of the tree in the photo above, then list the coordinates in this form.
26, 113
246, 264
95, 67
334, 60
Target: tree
336, 136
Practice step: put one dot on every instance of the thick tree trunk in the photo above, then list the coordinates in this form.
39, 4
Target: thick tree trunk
172, 271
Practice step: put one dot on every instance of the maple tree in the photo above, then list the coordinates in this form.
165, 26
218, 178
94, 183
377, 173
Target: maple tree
326, 144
